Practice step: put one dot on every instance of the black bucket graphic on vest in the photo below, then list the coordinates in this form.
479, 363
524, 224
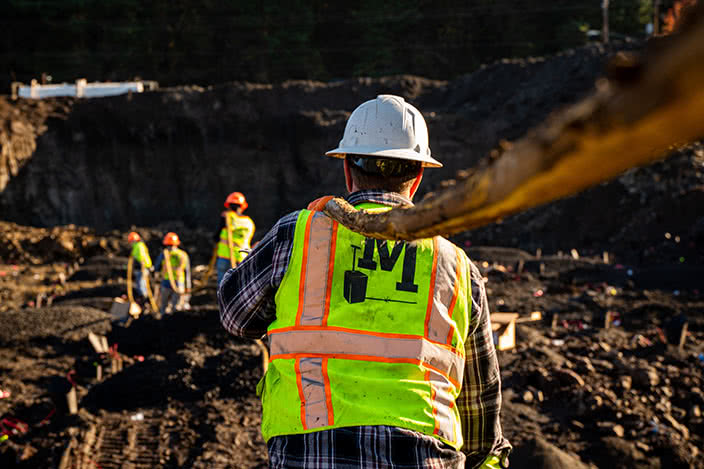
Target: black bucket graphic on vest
355, 283
355, 286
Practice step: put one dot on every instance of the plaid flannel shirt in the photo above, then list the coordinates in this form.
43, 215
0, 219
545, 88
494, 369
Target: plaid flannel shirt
246, 300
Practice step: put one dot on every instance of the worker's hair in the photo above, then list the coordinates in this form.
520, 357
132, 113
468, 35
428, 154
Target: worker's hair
389, 174
237, 208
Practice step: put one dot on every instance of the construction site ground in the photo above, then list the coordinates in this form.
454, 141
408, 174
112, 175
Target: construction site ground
574, 392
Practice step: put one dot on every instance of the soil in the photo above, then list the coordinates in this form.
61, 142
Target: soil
576, 393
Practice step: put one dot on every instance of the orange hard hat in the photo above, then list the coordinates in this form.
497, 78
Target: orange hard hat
171, 239
238, 199
133, 237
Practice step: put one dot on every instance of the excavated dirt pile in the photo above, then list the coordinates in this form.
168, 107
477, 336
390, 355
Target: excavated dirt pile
179, 392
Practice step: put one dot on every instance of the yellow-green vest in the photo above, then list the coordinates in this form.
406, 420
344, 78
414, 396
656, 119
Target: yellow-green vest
242, 231
141, 254
367, 332
179, 263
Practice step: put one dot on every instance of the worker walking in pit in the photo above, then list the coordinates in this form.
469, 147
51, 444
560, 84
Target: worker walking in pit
235, 234
381, 352
176, 273
140, 254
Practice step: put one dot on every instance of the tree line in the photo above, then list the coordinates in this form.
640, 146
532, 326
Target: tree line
216, 41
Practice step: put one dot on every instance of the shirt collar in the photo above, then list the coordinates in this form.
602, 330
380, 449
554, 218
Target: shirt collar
378, 196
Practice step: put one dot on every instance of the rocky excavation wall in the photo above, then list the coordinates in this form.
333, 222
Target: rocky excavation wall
175, 154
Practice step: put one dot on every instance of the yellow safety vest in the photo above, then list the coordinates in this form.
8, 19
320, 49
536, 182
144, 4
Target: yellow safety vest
367, 332
242, 232
179, 263
141, 254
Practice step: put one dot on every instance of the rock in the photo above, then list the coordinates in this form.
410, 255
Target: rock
642, 446
677, 426
616, 453
584, 364
608, 427
619, 431
527, 397
625, 381
568, 377
537, 453
540, 377
603, 364
695, 411
610, 395
645, 377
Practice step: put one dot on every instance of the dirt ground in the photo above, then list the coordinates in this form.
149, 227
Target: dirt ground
185, 397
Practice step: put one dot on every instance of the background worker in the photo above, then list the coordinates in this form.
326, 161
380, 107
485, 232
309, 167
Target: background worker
176, 273
140, 254
241, 229
381, 352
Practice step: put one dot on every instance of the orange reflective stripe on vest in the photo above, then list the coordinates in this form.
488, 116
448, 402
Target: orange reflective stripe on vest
336, 342
442, 300
316, 274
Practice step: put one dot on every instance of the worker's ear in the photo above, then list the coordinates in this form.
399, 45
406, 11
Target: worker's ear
416, 183
348, 177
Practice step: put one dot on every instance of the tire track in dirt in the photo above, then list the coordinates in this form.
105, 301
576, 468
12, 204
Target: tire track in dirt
118, 442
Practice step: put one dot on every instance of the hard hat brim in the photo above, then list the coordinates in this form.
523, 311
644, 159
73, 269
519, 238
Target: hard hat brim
400, 154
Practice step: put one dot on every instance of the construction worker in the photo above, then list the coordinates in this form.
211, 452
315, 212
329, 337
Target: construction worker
176, 273
235, 234
381, 352
140, 254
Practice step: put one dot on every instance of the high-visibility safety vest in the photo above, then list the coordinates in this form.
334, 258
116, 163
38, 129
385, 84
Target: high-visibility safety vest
242, 232
141, 254
179, 263
367, 332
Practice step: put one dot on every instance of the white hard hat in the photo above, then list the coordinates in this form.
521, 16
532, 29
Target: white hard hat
386, 127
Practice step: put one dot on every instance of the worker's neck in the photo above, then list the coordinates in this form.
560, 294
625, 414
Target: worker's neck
355, 188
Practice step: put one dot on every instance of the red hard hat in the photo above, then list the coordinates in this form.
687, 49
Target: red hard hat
133, 237
236, 198
171, 239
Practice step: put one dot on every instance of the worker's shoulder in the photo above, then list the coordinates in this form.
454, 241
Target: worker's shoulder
448, 247
286, 225
451, 250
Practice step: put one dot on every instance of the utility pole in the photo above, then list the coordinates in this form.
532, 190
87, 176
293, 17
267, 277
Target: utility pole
605, 21
656, 17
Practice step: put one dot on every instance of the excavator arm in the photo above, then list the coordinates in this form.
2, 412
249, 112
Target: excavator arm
646, 106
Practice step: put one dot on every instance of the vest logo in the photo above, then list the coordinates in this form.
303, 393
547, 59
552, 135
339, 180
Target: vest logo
355, 282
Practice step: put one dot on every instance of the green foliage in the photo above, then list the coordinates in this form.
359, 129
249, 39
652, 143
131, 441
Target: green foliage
211, 41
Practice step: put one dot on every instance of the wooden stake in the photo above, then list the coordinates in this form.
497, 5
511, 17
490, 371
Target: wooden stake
72, 401
683, 335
